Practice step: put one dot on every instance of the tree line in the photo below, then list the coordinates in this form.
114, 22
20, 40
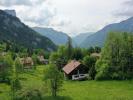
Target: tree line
115, 62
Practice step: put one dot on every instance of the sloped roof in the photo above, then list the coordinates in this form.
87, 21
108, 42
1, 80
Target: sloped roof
95, 54
26, 60
71, 66
41, 58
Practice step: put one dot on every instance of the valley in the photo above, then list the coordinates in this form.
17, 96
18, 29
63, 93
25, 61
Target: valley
46, 56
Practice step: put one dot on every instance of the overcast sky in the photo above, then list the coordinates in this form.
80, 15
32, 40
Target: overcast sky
70, 16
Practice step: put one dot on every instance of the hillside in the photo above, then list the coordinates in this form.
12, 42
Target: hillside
98, 38
59, 38
12, 29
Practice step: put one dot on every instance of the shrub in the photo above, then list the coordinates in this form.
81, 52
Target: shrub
5, 68
102, 71
29, 94
54, 77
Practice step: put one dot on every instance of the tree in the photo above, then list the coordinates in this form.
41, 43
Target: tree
15, 86
91, 50
7, 47
69, 48
6, 68
89, 62
30, 51
18, 66
53, 76
35, 59
77, 54
97, 49
115, 62
15, 83
58, 59
54, 57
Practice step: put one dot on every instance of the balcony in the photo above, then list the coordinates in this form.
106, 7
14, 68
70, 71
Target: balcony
79, 77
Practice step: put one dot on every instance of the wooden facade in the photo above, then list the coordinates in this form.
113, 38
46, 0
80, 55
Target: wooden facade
27, 63
75, 70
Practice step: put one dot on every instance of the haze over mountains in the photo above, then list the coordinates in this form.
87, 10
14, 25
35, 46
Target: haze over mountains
81, 37
13, 30
98, 38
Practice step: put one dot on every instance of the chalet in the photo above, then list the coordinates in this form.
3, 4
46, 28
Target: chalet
42, 60
3, 53
75, 70
27, 63
97, 55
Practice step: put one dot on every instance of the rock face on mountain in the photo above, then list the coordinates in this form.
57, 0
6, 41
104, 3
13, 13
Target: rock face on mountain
81, 37
12, 29
59, 38
98, 38
10, 12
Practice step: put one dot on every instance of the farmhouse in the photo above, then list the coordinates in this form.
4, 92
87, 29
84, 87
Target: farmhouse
27, 63
3, 53
42, 60
75, 70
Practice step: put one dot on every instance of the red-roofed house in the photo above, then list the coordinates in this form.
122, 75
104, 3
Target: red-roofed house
75, 70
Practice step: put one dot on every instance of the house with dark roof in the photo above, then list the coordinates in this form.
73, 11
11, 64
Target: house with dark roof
75, 70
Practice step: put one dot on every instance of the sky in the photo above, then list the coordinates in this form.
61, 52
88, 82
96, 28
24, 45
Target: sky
70, 16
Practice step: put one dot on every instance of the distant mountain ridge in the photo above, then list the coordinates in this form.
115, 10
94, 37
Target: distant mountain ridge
98, 38
59, 38
81, 37
12, 29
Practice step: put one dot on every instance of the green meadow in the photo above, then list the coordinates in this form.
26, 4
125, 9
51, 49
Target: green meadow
74, 90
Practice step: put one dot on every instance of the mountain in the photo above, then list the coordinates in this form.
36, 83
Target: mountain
59, 38
12, 29
10, 12
81, 37
98, 38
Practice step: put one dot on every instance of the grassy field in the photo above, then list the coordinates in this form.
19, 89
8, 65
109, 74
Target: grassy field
75, 90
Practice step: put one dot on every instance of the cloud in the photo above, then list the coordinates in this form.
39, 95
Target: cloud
69, 16
14, 2
59, 22
8, 3
126, 10
129, 3
39, 15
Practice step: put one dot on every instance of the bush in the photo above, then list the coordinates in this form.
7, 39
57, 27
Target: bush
30, 94
102, 71
6, 68
102, 76
89, 62
53, 77
18, 65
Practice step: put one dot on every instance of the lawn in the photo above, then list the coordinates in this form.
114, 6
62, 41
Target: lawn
75, 90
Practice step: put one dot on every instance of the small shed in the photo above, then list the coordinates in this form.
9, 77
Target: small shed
27, 62
75, 70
